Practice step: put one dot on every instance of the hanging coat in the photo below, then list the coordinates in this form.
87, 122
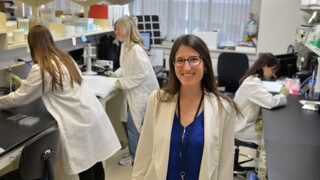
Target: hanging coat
87, 135
250, 97
138, 80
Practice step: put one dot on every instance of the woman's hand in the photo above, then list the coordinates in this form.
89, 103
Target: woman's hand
284, 90
111, 74
117, 83
12, 78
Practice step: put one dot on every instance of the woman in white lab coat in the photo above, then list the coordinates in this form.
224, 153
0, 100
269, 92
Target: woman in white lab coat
87, 135
188, 128
251, 96
137, 80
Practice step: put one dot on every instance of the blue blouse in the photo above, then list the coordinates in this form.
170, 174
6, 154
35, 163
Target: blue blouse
193, 154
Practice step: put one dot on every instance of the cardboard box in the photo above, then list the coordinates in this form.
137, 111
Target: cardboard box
59, 29
103, 23
3, 40
58, 13
99, 11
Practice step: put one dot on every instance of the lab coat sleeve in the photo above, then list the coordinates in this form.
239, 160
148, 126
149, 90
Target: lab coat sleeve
119, 72
260, 96
30, 90
144, 150
227, 147
140, 72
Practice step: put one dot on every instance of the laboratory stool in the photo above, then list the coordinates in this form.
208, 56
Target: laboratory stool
37, 158
237, 168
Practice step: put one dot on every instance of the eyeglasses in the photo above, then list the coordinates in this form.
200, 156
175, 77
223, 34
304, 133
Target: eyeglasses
192, 60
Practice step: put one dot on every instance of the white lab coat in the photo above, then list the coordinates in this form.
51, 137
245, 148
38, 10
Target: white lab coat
152, 157
138, 80
250, 97
87, 135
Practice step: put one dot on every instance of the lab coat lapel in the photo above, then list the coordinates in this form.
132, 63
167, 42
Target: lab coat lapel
211, 136
162, 142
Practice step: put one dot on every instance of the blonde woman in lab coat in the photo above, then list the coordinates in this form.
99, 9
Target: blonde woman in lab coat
188, 128
251, 96
137, 80
87, 136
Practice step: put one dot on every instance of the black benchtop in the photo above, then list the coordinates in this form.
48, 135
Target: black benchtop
13, 135
292, 141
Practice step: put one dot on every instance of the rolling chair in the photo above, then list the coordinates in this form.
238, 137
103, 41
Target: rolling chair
231, 67
37, 158
237, 168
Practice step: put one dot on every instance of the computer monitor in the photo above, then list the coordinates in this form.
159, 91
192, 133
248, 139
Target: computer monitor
288, 65
146, 36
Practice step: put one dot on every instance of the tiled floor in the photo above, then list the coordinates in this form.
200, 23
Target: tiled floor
116, 172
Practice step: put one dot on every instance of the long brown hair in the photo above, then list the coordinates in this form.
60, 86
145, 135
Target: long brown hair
265, 59
208, 82
50, 58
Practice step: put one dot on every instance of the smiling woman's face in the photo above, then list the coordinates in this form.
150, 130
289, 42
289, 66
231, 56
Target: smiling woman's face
189, 75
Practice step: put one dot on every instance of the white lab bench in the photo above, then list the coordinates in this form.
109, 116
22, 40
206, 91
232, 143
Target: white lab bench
214, 53
111, 99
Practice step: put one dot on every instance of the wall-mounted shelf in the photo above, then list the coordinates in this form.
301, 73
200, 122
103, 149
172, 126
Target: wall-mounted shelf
9, 56
310, 8
56, 39
312, 48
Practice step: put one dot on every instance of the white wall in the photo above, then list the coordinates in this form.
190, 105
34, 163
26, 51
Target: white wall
278, 22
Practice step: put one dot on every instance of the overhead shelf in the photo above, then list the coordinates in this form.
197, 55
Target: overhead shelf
56, 39
310, 9
313, 48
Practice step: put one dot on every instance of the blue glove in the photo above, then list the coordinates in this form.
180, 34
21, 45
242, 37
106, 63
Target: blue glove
111, 74
12, 78
117, 83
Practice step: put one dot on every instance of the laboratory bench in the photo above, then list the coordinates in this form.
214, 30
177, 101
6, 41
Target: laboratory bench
292, 141
13, 135
214, 53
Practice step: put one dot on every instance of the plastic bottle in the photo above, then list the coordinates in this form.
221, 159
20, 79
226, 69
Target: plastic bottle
311, 88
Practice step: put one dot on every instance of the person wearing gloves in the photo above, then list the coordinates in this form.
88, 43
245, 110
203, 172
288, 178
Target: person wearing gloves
87, 135
188, 128
137, 80
251, 96
14, 79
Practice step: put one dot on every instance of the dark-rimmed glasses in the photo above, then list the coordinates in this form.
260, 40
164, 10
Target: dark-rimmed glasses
192, 60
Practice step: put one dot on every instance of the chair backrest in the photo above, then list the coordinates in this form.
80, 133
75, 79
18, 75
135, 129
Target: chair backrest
39, 156
231, 67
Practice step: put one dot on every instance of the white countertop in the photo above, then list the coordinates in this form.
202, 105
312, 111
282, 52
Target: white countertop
101, 85
169, 46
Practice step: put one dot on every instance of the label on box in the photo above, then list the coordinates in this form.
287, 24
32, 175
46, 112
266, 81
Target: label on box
83, 38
